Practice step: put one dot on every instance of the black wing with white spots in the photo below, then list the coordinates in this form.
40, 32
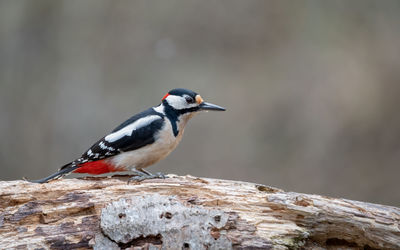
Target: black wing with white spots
134, 133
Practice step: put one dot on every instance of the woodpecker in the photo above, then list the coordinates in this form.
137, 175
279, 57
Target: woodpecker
142, 140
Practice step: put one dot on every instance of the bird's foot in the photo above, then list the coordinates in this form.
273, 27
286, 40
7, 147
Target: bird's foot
141, 176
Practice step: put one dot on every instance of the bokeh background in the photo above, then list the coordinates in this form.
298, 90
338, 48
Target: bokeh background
312, 88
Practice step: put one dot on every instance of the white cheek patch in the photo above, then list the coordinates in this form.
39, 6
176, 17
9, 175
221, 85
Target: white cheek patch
127, 131
178, 102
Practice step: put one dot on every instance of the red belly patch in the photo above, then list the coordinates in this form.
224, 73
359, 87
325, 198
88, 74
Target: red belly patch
97, 167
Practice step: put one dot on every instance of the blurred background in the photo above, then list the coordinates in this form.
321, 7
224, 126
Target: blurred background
312, 88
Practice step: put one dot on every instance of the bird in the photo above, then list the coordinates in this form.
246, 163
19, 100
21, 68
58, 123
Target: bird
140, 141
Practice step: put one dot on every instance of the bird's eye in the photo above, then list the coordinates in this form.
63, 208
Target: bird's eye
189, 99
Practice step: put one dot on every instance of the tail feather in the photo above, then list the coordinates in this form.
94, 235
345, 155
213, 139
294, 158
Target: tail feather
67, 168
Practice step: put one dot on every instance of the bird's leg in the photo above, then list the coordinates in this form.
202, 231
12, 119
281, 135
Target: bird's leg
144, 175
156, 175
144, 171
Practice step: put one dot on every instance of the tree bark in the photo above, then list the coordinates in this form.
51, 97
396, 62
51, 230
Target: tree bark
186, 212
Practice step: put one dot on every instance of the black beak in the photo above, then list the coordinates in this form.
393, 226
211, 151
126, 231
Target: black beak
210, 106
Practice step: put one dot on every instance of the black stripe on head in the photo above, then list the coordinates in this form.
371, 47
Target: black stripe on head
188, 110
182, 92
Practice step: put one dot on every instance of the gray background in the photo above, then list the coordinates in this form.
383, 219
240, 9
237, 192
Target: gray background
311, 87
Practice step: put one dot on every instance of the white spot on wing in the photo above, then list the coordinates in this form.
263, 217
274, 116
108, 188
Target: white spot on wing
127, 130
102, 145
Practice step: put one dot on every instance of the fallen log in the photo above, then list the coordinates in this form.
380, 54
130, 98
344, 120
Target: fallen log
186, 212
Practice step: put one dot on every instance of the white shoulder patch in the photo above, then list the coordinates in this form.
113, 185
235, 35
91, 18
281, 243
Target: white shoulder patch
159, 109
127, 131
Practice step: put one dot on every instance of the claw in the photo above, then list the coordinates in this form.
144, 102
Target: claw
160, 175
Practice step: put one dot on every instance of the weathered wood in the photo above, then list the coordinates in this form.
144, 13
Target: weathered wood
108, 213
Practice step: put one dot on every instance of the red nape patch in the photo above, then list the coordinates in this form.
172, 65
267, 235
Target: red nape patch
166, 95
97, 167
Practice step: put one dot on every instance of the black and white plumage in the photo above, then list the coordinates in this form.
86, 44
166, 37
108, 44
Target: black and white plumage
142, 140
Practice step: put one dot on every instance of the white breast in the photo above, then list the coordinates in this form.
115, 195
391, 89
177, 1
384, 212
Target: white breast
165, 143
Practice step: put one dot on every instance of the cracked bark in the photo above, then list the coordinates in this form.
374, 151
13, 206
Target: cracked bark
189, 212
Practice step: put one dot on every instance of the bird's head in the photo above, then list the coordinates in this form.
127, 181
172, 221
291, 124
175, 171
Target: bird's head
185, 101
